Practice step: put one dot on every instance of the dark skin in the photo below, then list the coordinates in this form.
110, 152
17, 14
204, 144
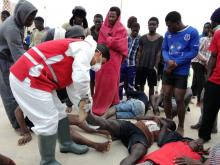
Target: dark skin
39, 25
28, 22
196, 146
6, 161
113, 126
174, 27
112, 18
98, 23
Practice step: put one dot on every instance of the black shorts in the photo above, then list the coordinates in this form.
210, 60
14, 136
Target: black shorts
131, 134
177, 81
144, 74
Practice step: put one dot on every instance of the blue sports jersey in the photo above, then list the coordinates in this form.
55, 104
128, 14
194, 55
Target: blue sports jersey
181, 47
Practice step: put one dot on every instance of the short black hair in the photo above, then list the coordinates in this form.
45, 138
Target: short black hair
5, 12
154, 19
173, 17
116, 9
208, 23
104, 50
40, 19
98, 16
135, 24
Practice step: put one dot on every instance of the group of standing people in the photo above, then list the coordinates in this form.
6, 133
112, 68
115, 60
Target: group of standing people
30, 80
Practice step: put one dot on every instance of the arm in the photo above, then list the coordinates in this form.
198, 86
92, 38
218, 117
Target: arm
187, 161
211, 64
146, 118
165, 50
15, 43
116, 43
80, 74
139, 52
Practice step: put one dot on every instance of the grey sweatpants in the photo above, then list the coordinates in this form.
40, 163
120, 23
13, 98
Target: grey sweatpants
8, 99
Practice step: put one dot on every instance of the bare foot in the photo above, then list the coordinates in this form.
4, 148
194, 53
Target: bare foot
180, 130
103, 147
25, 139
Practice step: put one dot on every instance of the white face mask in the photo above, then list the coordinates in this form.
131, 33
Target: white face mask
96, 67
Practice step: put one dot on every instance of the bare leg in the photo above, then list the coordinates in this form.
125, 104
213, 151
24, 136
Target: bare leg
101, 147
24, 130
113, 126
151, 91
111, 112
168, 93
179, 96
137, 151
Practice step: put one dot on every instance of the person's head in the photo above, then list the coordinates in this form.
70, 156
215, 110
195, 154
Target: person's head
196, 146
135, 27
215, 18
101, 56
153, 23
98, 20
131, 20
206, 28
173, 21
39, 23
24, 13
76, 31
79, 17
113, 14
4, 15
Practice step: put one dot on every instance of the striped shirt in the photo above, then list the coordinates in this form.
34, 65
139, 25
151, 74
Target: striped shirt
133, 45
214, 155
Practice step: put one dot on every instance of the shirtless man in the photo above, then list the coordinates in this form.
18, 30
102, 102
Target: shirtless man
136, 137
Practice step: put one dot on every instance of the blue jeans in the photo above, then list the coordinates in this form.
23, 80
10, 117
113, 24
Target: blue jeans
8, 99
130, 109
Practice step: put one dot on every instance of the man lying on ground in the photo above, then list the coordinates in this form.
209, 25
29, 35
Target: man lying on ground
136, 137
213, 159
174, 146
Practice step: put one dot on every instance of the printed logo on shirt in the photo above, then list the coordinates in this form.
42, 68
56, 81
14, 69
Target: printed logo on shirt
187, 37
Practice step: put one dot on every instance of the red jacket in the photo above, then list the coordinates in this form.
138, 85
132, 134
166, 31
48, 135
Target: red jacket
53, 76
166, 154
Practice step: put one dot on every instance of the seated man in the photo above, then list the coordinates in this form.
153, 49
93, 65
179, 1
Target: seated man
136, 137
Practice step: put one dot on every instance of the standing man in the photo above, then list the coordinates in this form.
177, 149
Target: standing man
38, 32
131, 20
4, 15
11, 48
180, 45
114, 35
149, 56
78, 18
36, 76
128, 67
211, 103
199, 63
98, 20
